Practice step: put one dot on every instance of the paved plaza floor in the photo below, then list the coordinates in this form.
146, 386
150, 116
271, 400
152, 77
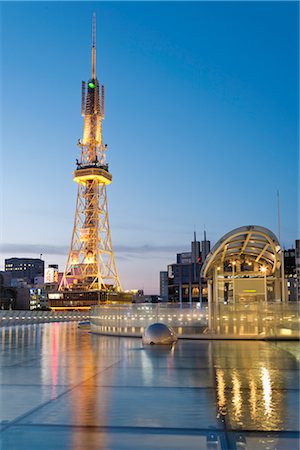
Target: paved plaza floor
64, 388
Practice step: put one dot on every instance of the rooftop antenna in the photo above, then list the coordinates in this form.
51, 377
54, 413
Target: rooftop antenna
204, 233
94, 47
282, 251
278, 214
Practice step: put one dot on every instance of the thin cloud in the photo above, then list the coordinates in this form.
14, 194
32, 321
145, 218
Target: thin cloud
147, 248
34, 248
125, 251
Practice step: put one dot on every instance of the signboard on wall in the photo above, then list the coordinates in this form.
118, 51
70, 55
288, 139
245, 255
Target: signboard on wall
254, 286
51, 275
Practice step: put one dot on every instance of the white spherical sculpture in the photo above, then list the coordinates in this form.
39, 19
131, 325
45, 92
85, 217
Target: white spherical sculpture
159, 333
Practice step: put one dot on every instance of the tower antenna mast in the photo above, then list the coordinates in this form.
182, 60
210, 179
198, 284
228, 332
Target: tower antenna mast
94, 47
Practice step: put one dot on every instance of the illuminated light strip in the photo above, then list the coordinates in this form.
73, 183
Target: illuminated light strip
85, 308
82, 179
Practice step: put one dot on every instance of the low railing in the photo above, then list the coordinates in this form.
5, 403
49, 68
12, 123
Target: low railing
263, 320
131, 320
13, 317
220, 321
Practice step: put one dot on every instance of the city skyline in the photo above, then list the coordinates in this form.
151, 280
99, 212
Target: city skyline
231, 100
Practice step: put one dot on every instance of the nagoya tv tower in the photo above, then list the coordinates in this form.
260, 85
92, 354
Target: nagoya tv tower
91, 264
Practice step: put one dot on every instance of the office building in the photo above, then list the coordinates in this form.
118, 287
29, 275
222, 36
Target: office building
205, 248
163, 285
26, 269
297, 261
184, 282
7, 294
290, 274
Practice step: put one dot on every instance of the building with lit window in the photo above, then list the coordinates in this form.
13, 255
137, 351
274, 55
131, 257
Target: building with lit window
163, 285
184, 282
290, 273
297, 261
26, 269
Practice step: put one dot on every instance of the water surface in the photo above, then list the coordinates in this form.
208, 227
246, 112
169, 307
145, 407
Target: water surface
64, 388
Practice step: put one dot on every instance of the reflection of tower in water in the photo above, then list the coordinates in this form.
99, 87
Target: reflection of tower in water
86, 403
62, 348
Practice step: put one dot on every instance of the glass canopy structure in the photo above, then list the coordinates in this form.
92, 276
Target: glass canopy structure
244, 266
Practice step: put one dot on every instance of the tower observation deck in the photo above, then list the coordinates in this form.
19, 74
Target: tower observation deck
90, 264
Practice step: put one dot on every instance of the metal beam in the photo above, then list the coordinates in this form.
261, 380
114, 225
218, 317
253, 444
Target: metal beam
224, 252
262, 252
245, 243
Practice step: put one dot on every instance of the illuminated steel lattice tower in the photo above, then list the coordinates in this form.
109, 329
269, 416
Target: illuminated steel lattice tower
91, 264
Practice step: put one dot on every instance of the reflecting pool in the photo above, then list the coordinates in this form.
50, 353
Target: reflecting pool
64, 388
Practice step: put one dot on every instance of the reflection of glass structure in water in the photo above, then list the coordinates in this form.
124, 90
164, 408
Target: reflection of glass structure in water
221, 393
249, 397
267, 391
253, 399
236, 396
244, 266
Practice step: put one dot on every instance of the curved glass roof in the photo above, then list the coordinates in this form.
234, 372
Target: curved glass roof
254, 242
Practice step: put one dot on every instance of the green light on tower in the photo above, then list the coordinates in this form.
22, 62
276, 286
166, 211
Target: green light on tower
91, 85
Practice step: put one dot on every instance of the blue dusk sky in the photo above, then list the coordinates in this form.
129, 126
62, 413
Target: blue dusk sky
201, 124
